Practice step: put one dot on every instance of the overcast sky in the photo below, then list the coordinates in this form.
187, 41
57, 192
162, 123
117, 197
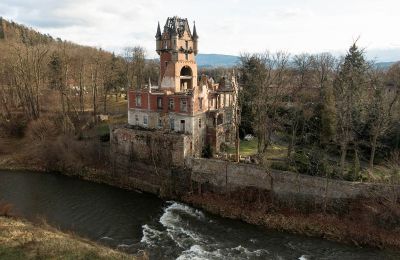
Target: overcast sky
224, 26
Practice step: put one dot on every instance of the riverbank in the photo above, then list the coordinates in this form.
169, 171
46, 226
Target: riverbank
20, 239
356, 224
348, 229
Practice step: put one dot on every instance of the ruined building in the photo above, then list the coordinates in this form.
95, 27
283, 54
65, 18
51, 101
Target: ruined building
184, 103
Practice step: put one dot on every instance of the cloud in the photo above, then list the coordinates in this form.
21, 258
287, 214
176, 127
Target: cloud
224, 26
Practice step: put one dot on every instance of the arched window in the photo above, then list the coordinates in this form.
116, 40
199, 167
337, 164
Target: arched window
186, 77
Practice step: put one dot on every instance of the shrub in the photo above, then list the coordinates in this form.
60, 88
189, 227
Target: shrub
41, 129
207, 151
14, 127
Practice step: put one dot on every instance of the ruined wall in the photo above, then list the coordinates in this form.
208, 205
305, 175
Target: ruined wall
227, 176
152, 147
151, 161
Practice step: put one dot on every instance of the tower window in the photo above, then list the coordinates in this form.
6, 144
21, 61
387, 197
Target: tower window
200, 103
186, 56
187, 45
199, 122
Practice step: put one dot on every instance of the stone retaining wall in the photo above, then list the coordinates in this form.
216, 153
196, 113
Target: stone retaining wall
228, 176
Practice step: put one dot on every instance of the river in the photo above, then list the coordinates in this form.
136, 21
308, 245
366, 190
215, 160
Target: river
132, 221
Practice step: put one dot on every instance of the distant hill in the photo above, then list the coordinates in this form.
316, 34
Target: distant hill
216, 60
221, 60
384, 65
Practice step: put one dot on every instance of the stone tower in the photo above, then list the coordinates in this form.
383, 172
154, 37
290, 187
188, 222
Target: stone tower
177, 48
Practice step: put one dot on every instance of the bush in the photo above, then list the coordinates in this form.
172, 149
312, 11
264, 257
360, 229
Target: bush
311, 162
281, 166
41, 129
207, 151
14, 127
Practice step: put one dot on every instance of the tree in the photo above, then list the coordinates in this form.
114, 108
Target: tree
348, 87
381, 106
263, 77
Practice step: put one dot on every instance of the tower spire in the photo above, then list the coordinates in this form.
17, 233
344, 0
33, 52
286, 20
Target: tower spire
158, 35
195, 36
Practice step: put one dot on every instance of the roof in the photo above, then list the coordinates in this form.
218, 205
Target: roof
177, 26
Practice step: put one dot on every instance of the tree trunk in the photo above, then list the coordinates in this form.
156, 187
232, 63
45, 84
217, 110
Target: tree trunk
343, 153
373, 150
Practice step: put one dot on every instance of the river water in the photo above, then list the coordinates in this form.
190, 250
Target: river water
132, 221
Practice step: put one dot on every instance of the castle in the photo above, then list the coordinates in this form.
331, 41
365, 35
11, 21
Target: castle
183, 102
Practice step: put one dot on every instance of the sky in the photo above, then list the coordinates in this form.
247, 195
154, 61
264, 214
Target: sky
224, 26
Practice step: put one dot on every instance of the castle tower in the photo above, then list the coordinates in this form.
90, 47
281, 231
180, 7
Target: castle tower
177, 48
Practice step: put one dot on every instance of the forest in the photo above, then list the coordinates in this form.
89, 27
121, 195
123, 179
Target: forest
337, 117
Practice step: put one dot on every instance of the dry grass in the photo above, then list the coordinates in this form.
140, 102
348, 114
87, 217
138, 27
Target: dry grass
22, 240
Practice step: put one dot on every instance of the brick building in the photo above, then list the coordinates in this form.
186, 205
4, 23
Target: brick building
183, 102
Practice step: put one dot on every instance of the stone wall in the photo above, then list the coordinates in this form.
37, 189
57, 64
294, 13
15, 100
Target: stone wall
227, 176
162, 149
155, 162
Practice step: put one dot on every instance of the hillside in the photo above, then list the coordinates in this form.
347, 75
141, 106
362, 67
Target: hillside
12, 31
216, 60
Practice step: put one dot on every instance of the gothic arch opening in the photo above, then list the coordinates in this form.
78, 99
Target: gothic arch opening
186, 78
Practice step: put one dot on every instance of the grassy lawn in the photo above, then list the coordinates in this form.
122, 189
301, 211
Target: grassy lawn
248, 148
22, 240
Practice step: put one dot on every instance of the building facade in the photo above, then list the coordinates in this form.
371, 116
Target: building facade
183, 102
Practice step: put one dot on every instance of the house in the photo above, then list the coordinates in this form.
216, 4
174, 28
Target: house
184, 102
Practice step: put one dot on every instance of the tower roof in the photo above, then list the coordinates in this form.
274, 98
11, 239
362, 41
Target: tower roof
195, 36
177, 26
158, 35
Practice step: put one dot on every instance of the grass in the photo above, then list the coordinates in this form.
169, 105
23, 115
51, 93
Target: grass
22, 240
248, 148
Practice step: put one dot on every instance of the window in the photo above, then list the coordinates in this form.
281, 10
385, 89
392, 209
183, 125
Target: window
138, 100
186, 56
159, 102
200, 103
136, 119
183, 126
199, 122
172, 124
183, 105
145, 120
160, 124
171, 104
187, 45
